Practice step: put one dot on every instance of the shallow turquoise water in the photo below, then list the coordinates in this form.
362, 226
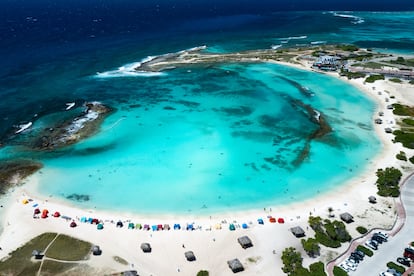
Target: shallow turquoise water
197, 141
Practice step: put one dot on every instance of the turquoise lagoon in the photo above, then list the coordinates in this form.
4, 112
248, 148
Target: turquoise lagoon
202, 140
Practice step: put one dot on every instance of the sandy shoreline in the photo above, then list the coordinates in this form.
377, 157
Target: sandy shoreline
213, 248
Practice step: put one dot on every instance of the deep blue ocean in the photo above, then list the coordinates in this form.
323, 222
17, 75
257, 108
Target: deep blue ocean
51, 52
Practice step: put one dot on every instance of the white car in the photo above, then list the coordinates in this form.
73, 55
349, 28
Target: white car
371, 245
385, 235
344, 267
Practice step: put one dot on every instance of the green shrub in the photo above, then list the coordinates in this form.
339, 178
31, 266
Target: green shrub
388, 182
411, 159
408, 121
361, 229
411, 82
398, 268
405, 138
367, 251
202, 273
337, 271
395, 80
348, 47
317, 269
374, 78
401, 156
403, 110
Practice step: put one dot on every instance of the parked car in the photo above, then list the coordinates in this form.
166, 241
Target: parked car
372, 244
360, 253
344, 267
380, 237
409, 253
356, 257
385, 235
404, 261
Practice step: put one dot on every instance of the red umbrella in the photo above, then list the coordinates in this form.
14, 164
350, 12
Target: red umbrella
56, 214
272, 220
72, 224
36, 211
280, 220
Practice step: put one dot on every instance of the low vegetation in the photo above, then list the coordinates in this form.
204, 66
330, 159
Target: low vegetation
408, 121
396, 80
411, 159
203, 273
69, 249
373, 78
329, 233
388, 182
352, 75
361, 229
398, 268
403, 110
411, 82
370, 64
347, 47
405, 138
368, 252
337, 271
292, 264
401, 156
311, 247
403, 61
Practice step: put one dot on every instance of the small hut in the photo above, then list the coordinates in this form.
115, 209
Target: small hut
388, 130
119, 224
245, 242
96, 251
37, 254
372, 199
297, 231
347, 217
146, 247
235, 265
73, 224
189, 255
378, 121
130, 273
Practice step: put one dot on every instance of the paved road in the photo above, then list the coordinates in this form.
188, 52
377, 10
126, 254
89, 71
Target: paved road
394, 248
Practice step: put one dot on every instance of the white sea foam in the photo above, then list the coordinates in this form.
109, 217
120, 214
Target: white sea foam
274, 47
69, 105
318, 42
23, 127
355, 19
293, 37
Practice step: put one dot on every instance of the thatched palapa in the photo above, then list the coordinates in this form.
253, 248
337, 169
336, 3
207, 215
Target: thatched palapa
146, 247
297, 231
347, 217
235, 265
372, 199
189, 255
245, 242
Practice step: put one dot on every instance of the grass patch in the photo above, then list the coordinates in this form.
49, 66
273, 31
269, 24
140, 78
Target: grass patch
398, 268
361, 229
403, 61
69, 249
374, 78
202, 273
19, 261
370, 64
347, 47
352, 75
367, 251
396, 80
53, 268
337, 271
120, 260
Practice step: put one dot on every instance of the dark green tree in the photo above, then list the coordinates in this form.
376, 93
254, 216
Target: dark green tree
292, 261
311, 247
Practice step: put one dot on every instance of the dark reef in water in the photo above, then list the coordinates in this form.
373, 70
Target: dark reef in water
73, 130
78, 197
13, 172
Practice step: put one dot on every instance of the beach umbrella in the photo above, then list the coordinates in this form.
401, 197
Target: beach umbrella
95, 221
36, 211
99, 226
272, 220
25, 201
190, 227
260, 221
44, 213
218, 226
72, 224
232, 227
154, 228
146, 227
280, 220
138, 226
56, 214
83, 219
177, 226
159, 227
244, 226
119, 224
131, 225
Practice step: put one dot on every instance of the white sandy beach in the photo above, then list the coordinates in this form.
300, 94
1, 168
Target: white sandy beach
214, 247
